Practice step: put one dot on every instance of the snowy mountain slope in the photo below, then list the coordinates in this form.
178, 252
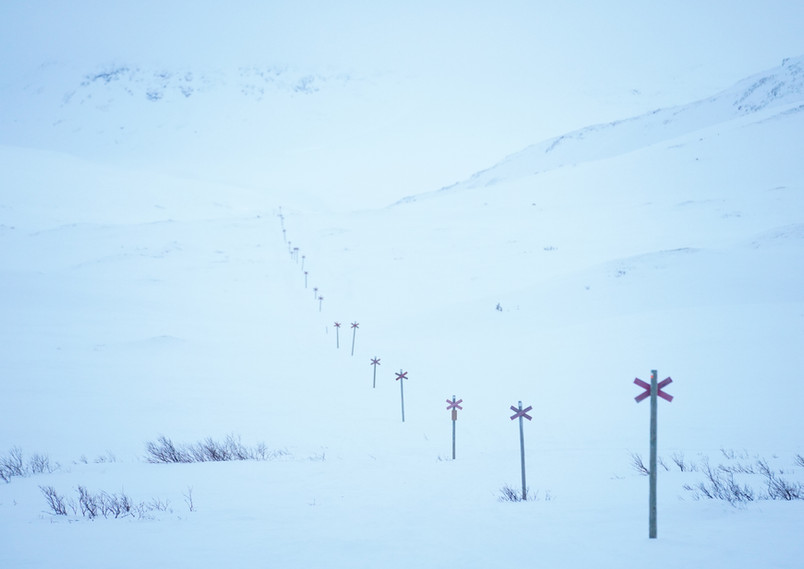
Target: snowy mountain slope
672, 233
776, 90
138, 305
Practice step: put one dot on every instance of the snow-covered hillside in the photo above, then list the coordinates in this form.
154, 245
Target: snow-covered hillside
193, 196
139, 305
766, 94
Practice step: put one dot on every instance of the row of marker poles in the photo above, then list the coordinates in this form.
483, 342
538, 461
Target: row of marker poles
653, 390
294, 253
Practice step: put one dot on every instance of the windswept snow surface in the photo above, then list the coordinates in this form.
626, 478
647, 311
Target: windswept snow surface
141, 300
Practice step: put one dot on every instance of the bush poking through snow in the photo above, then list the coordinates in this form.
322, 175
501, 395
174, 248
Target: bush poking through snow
638, 465
102, 504
509, 494
14, 464
720, 483
734, 481
165, 450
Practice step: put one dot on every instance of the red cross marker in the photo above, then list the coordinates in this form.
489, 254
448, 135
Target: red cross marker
646, 386
355, 325
375, 361
521, 413
337, 324
401, 375
454, 404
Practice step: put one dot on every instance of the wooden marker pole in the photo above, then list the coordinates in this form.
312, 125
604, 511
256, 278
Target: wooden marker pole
454, 406
355, 326
375, 362
653, 390
521, 413
401, 376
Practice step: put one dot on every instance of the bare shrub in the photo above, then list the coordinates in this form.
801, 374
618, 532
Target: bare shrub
88, 502
101, 504
14, 464
164, 451
779, 488
40, 464
681, 463
510, 494
638, 465
208, 450
56, 502
188, 499
720, 483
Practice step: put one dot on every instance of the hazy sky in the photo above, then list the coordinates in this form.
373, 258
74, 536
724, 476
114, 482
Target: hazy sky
645, 45
479, 80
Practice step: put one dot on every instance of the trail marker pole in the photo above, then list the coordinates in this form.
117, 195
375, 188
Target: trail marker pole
521, 413
285, 235
296, 254
303, 256
454, 406
654, 391
315, 292
305, 279
375, 362
355, 326
320, 302
337, 339
402, 375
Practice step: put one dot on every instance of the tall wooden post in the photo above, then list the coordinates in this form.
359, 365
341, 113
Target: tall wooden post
522, 414
654, 392
355, 326
402, 376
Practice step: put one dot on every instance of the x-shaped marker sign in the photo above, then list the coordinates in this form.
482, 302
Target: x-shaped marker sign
646, 386
521, 413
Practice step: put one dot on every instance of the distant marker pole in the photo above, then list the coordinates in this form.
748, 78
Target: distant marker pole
337, 338
521, 413
303, 257
320, 302
355, 326
305, 279
401, 376
315, 292
454, 406
375, 362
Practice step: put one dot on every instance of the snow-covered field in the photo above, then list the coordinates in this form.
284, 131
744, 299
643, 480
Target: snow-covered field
150, 287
